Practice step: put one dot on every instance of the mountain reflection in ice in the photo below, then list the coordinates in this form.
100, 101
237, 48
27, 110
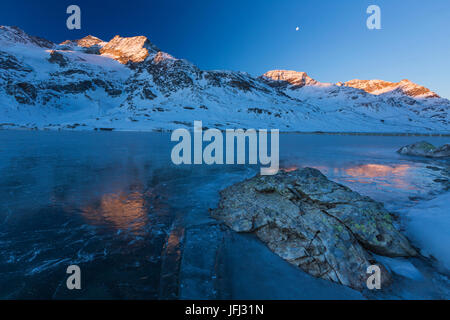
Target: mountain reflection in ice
122, 211
395, 176
387, 175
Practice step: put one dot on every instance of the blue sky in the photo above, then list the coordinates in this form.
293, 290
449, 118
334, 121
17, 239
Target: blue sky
332, 44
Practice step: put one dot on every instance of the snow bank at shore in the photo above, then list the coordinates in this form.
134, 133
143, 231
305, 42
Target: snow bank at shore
428, 226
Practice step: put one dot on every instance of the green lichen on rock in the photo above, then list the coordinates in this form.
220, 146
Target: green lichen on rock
323, 227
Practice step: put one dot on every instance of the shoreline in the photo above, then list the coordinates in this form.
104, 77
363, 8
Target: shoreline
344, 133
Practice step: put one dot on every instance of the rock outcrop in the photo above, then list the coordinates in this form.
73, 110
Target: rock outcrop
58, 58
425, 149
322, 227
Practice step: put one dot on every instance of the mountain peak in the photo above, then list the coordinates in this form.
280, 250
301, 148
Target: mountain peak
404, 86
134, 49
85, 42
294, 78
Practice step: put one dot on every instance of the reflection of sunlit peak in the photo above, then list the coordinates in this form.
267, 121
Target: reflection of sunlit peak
390, 176
121, 210
377, 170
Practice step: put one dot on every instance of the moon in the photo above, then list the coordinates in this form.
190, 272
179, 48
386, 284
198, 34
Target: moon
296, 29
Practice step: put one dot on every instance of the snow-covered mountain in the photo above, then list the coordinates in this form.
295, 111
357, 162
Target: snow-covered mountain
401, 104
405, 86
130, 84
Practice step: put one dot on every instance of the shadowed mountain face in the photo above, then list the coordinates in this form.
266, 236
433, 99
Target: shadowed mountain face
18, 36
130, 84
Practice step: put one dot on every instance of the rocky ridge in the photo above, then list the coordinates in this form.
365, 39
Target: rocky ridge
405, 86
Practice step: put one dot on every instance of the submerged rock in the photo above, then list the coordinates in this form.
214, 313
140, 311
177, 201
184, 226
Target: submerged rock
425, 149
314, 223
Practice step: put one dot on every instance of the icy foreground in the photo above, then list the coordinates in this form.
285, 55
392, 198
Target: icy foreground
113, 203
428, 226
130, 84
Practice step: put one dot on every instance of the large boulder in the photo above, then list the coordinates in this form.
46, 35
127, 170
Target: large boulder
425, 149
314, 223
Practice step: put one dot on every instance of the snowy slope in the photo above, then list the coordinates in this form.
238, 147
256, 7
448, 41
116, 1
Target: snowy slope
353, 104
130, 84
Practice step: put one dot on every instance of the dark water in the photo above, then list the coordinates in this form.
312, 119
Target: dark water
139, 227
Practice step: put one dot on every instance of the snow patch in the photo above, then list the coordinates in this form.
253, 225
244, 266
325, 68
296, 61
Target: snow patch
428, 227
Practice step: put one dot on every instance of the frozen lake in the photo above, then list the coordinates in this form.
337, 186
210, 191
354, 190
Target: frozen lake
139, 226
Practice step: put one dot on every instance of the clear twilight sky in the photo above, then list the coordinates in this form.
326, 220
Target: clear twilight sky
332, 43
